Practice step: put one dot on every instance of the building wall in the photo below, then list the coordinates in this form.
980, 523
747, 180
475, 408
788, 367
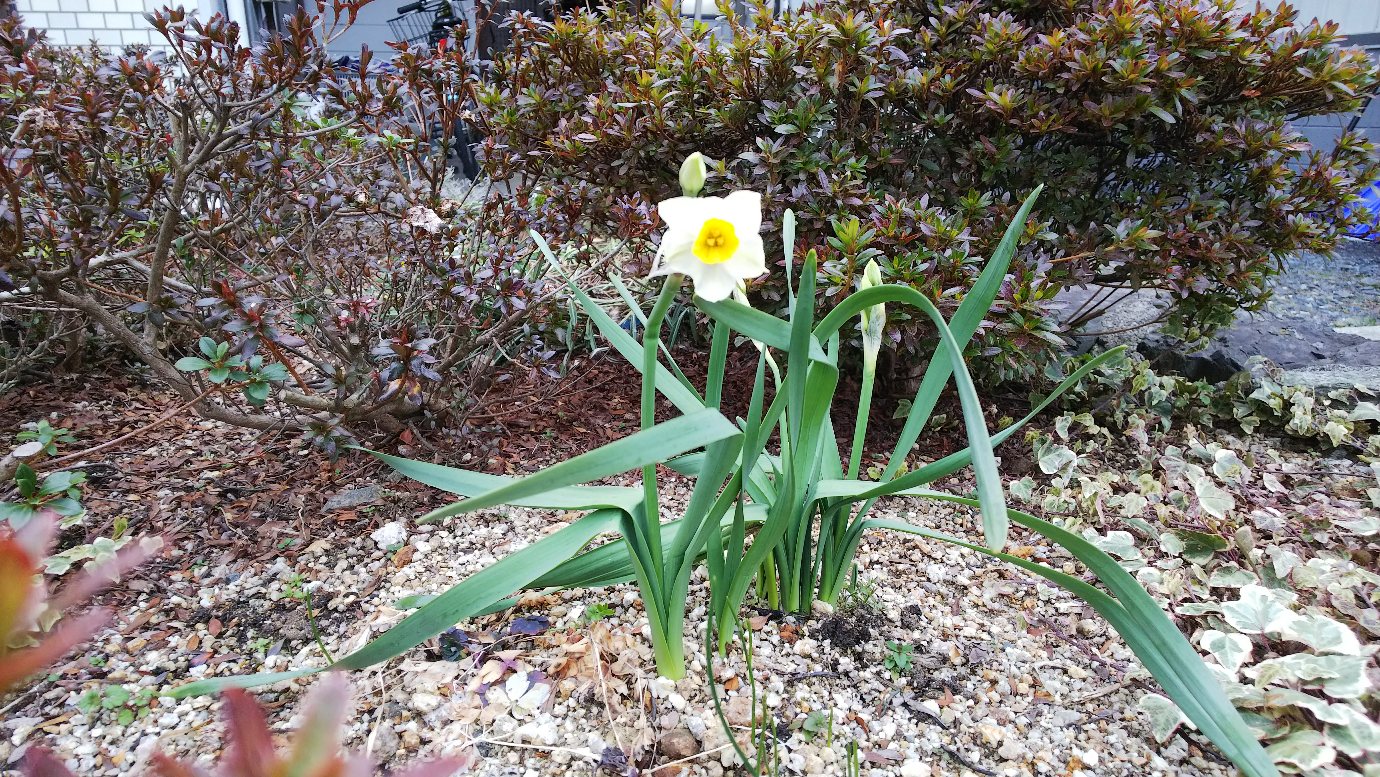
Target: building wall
77, 22
370, 29
1359, 20
1355, 17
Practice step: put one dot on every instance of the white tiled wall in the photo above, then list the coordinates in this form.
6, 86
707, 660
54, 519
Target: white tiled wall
76, 22
1356, 17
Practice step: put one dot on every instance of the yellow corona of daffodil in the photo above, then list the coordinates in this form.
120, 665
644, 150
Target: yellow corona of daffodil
713, 240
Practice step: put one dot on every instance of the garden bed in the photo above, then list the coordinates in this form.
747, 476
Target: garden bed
938, 661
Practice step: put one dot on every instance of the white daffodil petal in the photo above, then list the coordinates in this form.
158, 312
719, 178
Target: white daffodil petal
682, 259
715, 285
751, 259
683, 212
746, 208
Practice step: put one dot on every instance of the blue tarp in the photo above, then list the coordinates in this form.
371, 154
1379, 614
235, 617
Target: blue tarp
1369, 205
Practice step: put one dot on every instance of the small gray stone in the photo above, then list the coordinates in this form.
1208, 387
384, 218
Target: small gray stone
383, 744
353, 497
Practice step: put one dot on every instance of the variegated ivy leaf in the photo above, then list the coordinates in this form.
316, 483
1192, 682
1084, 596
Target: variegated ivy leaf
1272, 483
1231, 576
1212, 499
1227, 465
1263, 726
1323, 635
1130, 504
1260, 610
1241, 696
1022, 489
1364, 411
1357, 734
1283, 560
1117, 543
1061, 426
1194, 609
1366, 525
1171, 543
1336, 432
1199, 547
1165, 718
1056, 459
1176, 467
1304, 750
1341, 677
1320, 708
1230, 650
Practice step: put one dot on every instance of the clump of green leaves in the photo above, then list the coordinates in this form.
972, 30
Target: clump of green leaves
58, 492
220, 367
900, 658
597, 612
117, 700
47, 436
819, 723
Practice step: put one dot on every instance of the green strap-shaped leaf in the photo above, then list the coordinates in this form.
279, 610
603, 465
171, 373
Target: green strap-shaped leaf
977, 302
857, 490
685, 400
756, 325
1145, 628
471, 596
989, 487
649, 446
466, 483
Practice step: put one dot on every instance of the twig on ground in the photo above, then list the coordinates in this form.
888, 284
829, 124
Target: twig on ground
964, 762
168, 416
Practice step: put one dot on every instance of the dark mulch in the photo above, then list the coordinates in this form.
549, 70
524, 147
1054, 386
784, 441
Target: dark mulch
236, 493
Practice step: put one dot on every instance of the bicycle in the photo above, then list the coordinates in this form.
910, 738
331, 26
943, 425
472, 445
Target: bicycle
433, 25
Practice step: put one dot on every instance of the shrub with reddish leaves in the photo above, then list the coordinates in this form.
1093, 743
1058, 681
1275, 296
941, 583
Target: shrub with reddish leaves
909, 130
269, 230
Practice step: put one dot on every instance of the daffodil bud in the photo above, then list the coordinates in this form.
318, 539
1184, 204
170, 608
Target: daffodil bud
693, 172
873, 318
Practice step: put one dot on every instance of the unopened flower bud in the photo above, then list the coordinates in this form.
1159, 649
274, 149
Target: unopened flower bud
693, 172
873, 318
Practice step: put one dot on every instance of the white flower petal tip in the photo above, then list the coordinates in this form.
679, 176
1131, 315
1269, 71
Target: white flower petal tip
713, 240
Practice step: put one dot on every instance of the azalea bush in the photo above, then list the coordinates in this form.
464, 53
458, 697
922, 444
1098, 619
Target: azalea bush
787, 518
269, 231
906, 131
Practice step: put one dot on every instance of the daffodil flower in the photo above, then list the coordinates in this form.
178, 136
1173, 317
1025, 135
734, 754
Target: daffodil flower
713, 240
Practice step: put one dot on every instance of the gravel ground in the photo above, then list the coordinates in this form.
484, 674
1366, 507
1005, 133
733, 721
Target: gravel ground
1340, 290
1010, 676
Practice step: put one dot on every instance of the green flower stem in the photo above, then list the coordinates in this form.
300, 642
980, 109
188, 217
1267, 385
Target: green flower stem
869, 376
651, 339
316, 633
